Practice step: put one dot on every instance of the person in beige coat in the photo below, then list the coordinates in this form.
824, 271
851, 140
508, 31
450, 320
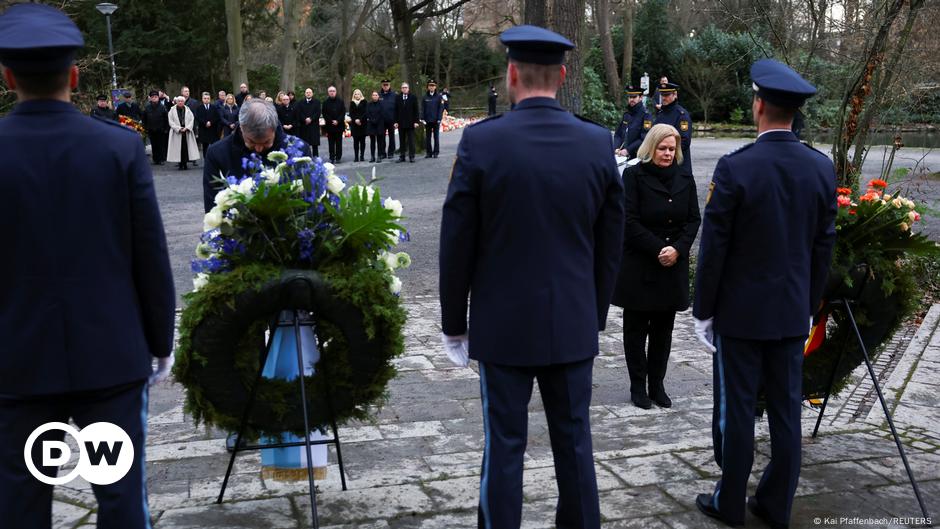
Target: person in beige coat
182, 146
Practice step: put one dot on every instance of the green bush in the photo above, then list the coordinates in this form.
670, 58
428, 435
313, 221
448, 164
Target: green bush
597, 107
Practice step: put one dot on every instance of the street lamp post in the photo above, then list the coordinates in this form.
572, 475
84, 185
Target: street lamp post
107, 9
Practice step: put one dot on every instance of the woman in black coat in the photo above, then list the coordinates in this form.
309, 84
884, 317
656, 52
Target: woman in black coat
357, 125
375, 127
228, 115
662, 219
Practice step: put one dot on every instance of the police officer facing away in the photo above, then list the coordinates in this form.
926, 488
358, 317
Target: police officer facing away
532, 228
672, 113
87, 291
767, 238
634, 126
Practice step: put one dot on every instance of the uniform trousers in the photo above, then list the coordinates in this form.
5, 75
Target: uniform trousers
432, 130
741, 369
566, 396
25, 501
647, 363
390, 131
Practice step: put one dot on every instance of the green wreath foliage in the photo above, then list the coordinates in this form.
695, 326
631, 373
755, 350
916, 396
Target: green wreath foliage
219, 381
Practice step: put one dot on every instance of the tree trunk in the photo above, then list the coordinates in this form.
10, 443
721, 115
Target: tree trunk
291, 9
535, 12
567, 19
626, 76
607, 46
236, 44
401, 15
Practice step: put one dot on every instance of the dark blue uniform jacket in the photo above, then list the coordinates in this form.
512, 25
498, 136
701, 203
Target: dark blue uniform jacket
86, 292
762, 269
532, 230
633, 128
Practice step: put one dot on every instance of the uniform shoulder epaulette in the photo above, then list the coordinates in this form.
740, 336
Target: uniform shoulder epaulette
588, 120
112, 123
813, 148
486, 119
740, 149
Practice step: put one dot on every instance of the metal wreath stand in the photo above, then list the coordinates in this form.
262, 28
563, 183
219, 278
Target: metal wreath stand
296, 321
845, 302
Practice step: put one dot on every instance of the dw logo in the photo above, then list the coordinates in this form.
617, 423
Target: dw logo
105, 453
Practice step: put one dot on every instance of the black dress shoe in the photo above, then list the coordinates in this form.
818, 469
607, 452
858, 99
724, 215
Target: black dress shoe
412, 160
704, 504
372, 160
427, 155
434, 155
401, 160
641, 400
758, 510
661, 399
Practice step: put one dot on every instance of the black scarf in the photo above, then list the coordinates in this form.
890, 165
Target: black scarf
665, 174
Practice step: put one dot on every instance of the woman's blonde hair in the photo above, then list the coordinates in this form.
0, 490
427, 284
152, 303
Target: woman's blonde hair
654, 137
357, 91
230, 96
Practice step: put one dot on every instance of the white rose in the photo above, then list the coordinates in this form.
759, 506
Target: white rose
246, 187
212, 219
904, 226
270, 176
303, 159
912, 216
328, 167
395, 286
404, 260
200, 281
886, 197
277, 156
390, 260
225, 198
334, 184
897, 202
910, 203
394, 206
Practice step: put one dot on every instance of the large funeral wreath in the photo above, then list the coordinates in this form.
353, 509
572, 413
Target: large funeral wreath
292, 236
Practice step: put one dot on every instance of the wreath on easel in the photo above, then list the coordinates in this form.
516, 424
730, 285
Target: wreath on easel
292, 236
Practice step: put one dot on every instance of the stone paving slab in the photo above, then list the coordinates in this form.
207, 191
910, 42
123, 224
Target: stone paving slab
417, 464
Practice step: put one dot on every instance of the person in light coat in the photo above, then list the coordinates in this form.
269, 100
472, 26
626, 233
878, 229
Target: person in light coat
182, 147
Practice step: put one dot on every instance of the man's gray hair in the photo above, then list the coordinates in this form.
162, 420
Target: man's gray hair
257, 117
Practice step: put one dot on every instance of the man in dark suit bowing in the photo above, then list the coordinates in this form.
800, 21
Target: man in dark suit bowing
532, 229
86, 292
767, 237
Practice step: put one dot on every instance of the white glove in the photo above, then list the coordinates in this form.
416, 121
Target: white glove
457, 349
164, 365
705, 334
810, 325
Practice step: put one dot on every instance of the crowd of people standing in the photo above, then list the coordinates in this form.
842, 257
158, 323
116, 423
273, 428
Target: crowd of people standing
181, 129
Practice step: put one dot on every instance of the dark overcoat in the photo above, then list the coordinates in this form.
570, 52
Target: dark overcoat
656, 216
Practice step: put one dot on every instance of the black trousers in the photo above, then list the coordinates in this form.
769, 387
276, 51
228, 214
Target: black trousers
335, 139
158, 145
432, 130
566, 396
184, 151
25, 501
204, 146
359, 146
741, 369
376, 139
407, 137
647, 363
390, 131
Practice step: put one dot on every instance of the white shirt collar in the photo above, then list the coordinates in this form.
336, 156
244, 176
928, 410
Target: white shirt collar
773, 130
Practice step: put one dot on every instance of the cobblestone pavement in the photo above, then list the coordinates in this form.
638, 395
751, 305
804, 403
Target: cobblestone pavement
417, 465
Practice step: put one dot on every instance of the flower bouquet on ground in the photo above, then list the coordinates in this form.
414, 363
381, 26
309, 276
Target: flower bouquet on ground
875, 237
293, 235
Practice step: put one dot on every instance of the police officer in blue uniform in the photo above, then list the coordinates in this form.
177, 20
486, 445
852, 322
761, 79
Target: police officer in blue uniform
86, 292
672, 113
634, 126
767, 238
532, 229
